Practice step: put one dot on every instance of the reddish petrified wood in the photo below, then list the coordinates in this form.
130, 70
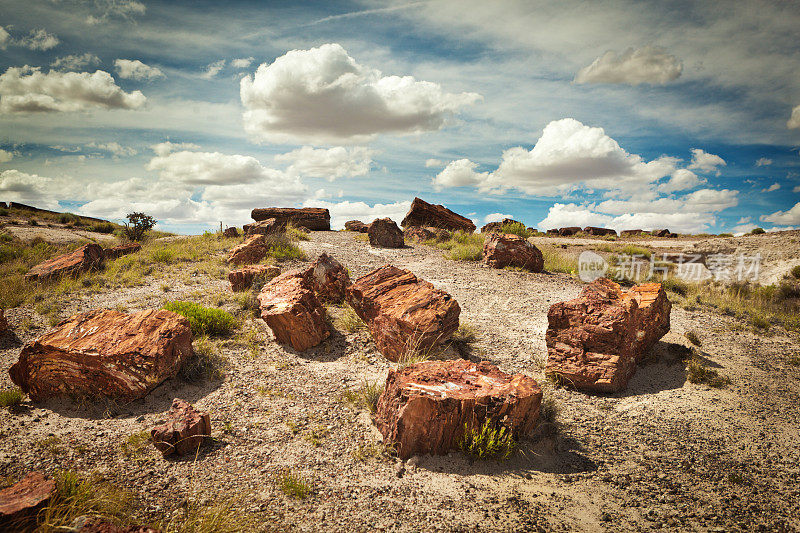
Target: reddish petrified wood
403, 313
356, 225
427, 233
104, 353
630, 232
87, 257
595, 340
122, 249
425, 407
20, 502
328, 278
313, 218
591, 230
252, 250
571, 230
424, 214
230, 233
383, 232
505, 249
495, 226
242, 279
269, 226
292, 311
183, 431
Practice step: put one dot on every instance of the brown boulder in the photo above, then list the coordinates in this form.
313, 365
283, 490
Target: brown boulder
425, 407
104, 353
402, 312
595, 340
252, 250
20, 502
87, 257
269, 226
660, 232
328, 278
569, 231
293, 312
184, 430
383, 232
242, 279
552, 231
123, 249
424, 214
230, 233
591, 230
503, 249
630, 232
496, 226
356, 225
427, 233
313, 218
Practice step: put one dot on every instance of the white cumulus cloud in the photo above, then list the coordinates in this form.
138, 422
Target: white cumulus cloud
763, 162
114, 147
774, 187
561, 215
794, 120
649, 64
322, 95
702, 161
243, 62
133, 69
39, 40
166, 147
39, 191
681, 180
332, 163
341, 212
213, 69
6, 156
75, 61
792, 216
495, 217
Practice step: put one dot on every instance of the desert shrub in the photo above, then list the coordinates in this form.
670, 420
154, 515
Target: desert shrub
293, 233
692, 337
280, 248
103, 227
365, 396
759, 322
10, 396
204, 320
134, 444
698, 372
487, 441
69, 218
757, 231
516, 228
462, 246
162, 255
348, 320
138, 225
675, 285
208, 362
3, 212
795, 272
294, 485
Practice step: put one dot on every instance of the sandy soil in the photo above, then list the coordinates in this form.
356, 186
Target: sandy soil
665, 454
57, 234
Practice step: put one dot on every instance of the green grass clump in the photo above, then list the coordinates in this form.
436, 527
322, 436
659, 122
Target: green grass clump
163, 255
10, 396
516, 228
698, 372
103, 227
757, 231
365, 396
487, 441
795, 272
348, 320
293, 233
135, 444
693, 337
208, 362
294, 485
462, 246
204, 320
675, 285
219, 516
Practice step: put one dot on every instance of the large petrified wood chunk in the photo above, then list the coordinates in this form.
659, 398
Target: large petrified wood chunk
505, 249
20, 502
571, 230
269, 226
252, 250
87, 257
183, 431
595, 340
242, 279
384, 233
356, 225
426, 233
328, 278
123, 249
230, 233
425, 407
104, 353
403, 313
591, 230
424, 214
292, 311
313, 218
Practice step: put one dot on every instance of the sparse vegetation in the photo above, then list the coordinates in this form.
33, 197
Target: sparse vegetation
208, 362
548, 410
693, 337
137, 226
678, 286
461, 246
465, 338
347, 320
698, 372
757, 231
516, 228
51, 445
294, 485
293, 233
488, 441
204, 320
103, 227
365, 396
219, 516
373, 450
10, 397
556, 261
134, 444
795, 272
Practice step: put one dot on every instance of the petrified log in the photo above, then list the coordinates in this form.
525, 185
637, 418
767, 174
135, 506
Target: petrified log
20, 502
230, 233
328, 278
123, 249
104, 353
383, 232
502, 250
293, 312
426, 233
403, 313
242, 279
3, 322
252, 250
591, 230
184, 430
424, 214
660, 232
568, 231
313, 218
496, 226
630, 232
356, 225
552, 231
87, 257
269, 226
595, 340
425, 407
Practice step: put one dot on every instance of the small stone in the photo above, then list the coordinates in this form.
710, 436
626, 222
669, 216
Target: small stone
384, 233
184, 430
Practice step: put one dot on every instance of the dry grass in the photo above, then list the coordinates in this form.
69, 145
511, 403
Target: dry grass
488, 441
365, 396
698, 372
346, 319
208, 362
219, 516
10, 397
294, 485
558, 261
693, 337
461, 246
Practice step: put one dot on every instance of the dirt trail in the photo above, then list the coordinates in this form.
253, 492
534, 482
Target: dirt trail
664, 454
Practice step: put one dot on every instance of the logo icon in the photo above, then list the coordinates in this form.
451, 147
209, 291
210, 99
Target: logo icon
591, 266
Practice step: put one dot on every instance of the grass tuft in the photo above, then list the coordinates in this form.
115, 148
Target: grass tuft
693, 337
697, 372
487, 441
10, 396
204, 320
135, 444
348, 320
294, 485
365, 396
208, 362
556, 261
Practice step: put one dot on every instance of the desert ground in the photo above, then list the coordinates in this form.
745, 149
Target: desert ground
665, 454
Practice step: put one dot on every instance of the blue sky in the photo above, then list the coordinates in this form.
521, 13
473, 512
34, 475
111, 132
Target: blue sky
621, 114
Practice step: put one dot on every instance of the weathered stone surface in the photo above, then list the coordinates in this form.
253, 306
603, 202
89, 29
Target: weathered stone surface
87, 257
630, 232
242, 279
184, 430
292, 311
403, 313
252, 250
425, 407
104, 353
313, 218
356, 225
20, 502
427, 233
230, 233
328, 278
384, 232
424, 214
269, 226
660, 232
502, 250
123, 249
3, 322
595, 340
568, 231
591, 230
495, 226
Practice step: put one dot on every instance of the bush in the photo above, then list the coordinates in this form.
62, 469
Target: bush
697, 372
204, 320
516, 228
69, 218
488, 441
757, 231
3, 212
10, 396
675, 285
138, 224
795, 271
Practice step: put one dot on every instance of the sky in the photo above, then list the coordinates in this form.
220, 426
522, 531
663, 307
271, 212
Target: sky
630, 115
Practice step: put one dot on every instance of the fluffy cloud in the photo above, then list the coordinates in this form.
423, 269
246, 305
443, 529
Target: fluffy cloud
681, 180
459, 173
337, 162
792, 216
39, 40
213, 69
796, 189
75, 62
27, 89
165, 148
136, 70
561, 215
495, 217
649, 64
16, 186
794, 120
6, 156
763, 162
107, 9
701, 201
774, 187
322, 95
114, 148
243, 62
5, 38
705, 162
434, 163
341, 212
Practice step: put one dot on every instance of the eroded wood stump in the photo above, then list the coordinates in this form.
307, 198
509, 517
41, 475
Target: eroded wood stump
422, 213
85, 258
20, 502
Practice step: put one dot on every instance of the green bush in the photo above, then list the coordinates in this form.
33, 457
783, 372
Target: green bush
516, 228
294, 485
204, 320
138, 225
757, 231
488, 441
